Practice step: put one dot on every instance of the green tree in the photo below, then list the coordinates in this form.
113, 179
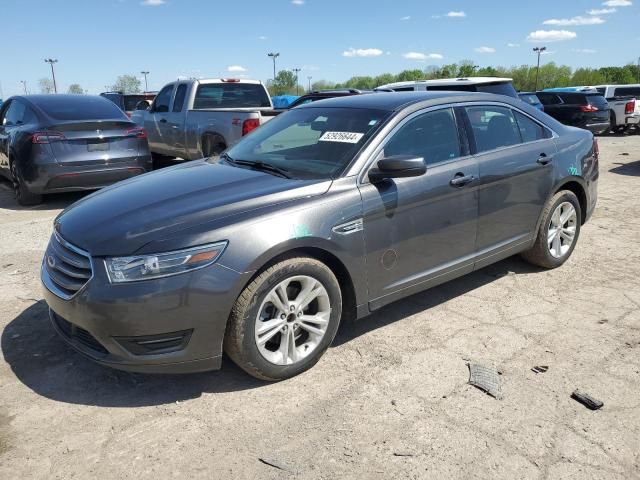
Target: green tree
283, 84
410, 75
587, 76
383, 79
75, 88
322, 85
45, 85
126, 84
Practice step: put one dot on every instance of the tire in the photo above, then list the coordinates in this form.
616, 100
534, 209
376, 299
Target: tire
614, 124
548, 254
22, 193
213, 145
265, 361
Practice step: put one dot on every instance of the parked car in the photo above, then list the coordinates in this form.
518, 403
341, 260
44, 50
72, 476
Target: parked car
588, 110
331, 210
324, 94
192, 119
531, 99
624, 101
61, 143
128, 102
501, 86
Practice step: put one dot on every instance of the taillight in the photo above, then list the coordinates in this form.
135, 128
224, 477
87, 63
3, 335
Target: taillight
46, 137
589, 108
230, 80
630, 107
249, 125
139, 132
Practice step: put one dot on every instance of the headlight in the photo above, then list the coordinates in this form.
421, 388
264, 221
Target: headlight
146, 267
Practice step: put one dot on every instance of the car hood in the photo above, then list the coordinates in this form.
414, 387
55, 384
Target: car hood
121, 219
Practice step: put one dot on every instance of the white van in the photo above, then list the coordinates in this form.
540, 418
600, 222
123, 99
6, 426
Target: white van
500, 86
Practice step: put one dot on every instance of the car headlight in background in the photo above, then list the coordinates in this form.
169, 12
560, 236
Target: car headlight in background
146, 267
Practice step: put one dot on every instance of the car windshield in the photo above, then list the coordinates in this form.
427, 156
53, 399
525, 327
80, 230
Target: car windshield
310, 142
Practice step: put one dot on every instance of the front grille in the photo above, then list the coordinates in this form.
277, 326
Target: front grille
69, 268
74, 332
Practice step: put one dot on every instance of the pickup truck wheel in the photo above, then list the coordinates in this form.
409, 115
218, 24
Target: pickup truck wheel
558, 232
213, 145
22, 193
614, 124
285, 319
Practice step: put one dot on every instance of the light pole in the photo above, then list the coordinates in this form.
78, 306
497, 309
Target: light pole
51, 61
539, 51
638, 69
24, 85
296, 70
309, 78
273, 56
146, 87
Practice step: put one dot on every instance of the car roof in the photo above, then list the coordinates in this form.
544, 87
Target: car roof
449, 81
67, 98
391, 101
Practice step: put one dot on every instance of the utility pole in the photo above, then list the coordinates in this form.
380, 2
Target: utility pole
51, 61
539, 51
309, 78
146, 87
24, 85
296, 70
638, 69
273, 56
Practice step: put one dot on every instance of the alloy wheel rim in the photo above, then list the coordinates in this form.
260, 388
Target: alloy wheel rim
562, 229
292, 320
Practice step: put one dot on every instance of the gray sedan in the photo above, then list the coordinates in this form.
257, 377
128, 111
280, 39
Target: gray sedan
61, 143
331, 210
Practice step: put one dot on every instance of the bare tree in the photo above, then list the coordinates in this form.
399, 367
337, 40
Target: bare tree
126, 84
75, 88
45, 85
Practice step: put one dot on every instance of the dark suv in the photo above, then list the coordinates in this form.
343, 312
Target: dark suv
588, 110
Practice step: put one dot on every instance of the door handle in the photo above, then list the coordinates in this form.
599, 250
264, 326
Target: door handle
163, 120
543, 159
460, 180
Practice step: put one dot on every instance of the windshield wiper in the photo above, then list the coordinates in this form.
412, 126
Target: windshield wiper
266, 167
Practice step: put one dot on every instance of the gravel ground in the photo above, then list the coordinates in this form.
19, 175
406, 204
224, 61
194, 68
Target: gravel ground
390, 399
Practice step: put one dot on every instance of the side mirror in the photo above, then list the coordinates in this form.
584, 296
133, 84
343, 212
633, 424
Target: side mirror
397, 166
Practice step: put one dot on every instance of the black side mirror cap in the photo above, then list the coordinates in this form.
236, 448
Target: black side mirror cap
397, 166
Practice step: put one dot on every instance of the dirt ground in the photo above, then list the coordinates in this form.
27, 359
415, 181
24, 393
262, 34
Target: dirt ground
389, 400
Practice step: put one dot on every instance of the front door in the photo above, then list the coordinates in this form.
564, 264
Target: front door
421, 231
156, 121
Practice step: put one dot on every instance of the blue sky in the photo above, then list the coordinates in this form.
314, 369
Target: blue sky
97, 40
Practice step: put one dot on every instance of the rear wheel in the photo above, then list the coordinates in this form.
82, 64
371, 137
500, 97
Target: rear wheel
213, 145
22, 193
558, 232
285, 319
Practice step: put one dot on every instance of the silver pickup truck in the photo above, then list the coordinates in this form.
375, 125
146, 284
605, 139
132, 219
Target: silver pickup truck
192, 119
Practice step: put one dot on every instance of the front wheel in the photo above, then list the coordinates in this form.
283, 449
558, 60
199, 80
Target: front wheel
285, 319
558, 232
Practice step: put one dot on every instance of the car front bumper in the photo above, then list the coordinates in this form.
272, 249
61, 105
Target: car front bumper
170, 325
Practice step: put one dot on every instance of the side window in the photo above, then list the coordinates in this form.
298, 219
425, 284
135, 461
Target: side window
161, 103
432, 136
530, 130
493, 127
404, 89
15, 114
3, 113
178, 101
549, 99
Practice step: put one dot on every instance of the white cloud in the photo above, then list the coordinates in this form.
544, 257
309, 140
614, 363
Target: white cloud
513, 45
152, 3
551, 36
236, 68
408, 17
456, 14
297, 2
485, 50
262, 37
618, 3
362, 52
601, 11
575, 21
422, 56
584, 50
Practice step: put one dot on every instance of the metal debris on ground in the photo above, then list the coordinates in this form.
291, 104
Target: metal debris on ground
275, 464
485, 378
540, 369
587, 400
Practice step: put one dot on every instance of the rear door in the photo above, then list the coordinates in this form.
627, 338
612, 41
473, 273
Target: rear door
156, 121
553, 105
515, 157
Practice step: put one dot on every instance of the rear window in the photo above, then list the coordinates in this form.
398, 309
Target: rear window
78, 107
231, 95
627, 92
573, 98
597, 101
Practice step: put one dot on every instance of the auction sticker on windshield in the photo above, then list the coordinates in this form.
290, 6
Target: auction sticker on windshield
345, 137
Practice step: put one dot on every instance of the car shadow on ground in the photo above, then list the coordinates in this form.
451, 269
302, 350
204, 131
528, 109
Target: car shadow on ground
45, 364
631, 169
57, 201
